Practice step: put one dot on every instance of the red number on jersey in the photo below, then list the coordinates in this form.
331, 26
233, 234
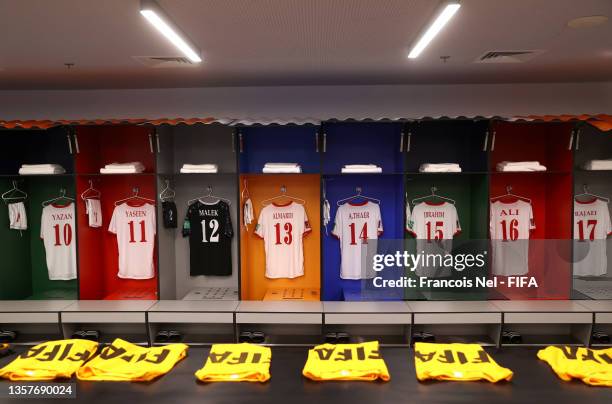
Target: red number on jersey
363, 234
590, 225
143, 235
438, 232
509, 230
67, 234
288, 238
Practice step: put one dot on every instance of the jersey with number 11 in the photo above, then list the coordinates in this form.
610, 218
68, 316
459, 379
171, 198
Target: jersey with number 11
135, 230
282, 228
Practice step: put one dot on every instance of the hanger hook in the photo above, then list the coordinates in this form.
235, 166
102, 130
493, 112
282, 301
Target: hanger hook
585, 188
508, 189
358, 190
135, 191
283, 189
433, 190
209, 190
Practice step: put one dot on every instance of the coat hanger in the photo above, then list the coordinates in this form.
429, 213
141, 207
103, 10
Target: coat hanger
95, 194
209, 194
510, 194
433, 195
585, 189
357, 196
135, 195
167, 192
62, 196
283, 194
14, 194
244, 195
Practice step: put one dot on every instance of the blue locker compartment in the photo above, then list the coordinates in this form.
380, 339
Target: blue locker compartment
377, 143
279, 144
389, 189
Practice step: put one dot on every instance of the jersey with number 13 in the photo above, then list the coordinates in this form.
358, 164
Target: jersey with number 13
282, 228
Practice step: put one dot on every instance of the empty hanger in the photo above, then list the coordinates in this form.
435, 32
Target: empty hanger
135, 195
283, 194
62, 196
167, 192
14, 194
245, 191
585, 189
510, 194
209, 194
357, 196
433, 195
93, 193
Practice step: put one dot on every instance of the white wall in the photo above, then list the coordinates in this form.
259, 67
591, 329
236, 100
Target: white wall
311, 101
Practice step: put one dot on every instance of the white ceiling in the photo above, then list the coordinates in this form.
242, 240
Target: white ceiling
293, 42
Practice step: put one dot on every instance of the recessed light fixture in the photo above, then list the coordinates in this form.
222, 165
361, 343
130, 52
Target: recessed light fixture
588, 21
447, 11
163, 23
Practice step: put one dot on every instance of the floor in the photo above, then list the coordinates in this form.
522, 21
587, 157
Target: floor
533, 382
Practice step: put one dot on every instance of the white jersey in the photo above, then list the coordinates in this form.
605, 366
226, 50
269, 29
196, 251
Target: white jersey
135, 230
58, 234
434, 225
282, 228
355, 226
591, 229
510, 226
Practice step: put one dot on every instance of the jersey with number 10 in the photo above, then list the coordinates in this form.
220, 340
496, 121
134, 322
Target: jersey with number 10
282, 228
354, 226
57, 233
135, 230
210, 232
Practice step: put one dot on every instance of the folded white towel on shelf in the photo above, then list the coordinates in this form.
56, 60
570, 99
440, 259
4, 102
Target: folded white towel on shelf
598, 165
280, 170
519, 168
281, 165
206, 166
41, 169
133, 164
361, 170
360, 166
198, 170
120, 170
520, 163
440, 168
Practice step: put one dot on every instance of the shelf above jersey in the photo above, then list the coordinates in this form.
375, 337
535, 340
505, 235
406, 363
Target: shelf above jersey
147, 174
66, 175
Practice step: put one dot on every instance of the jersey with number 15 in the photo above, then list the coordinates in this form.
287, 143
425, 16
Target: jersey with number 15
282, 228
135, 230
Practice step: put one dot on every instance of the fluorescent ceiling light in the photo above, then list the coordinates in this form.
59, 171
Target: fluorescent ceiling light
160, 20
447, 11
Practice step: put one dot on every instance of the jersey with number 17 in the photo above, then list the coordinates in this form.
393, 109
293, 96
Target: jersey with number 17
135, 230
282, 228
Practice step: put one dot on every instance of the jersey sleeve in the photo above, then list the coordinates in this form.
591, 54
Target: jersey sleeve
456, 223
379, 224
410, 224
337, 230
532, 225
607, 220
408, 216
307, 228
229, 230
259, 227
154, 219
112, 226
187, 222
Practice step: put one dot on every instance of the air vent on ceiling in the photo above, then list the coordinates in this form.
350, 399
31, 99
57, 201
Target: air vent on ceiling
163, 62
508, 56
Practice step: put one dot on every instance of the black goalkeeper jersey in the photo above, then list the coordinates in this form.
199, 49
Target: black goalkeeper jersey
210, 232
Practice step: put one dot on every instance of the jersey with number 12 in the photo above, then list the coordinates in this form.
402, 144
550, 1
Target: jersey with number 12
282, 228
135, 230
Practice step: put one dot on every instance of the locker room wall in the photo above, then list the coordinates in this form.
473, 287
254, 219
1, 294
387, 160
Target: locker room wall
287, 144
363, 143
306, 186
389, 189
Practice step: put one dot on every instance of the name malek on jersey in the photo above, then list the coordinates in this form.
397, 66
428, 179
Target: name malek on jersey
61, 216
208, 212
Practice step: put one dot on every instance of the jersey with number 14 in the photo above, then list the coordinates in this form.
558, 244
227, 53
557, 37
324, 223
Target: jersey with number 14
135, 230
354, 226
282, 228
